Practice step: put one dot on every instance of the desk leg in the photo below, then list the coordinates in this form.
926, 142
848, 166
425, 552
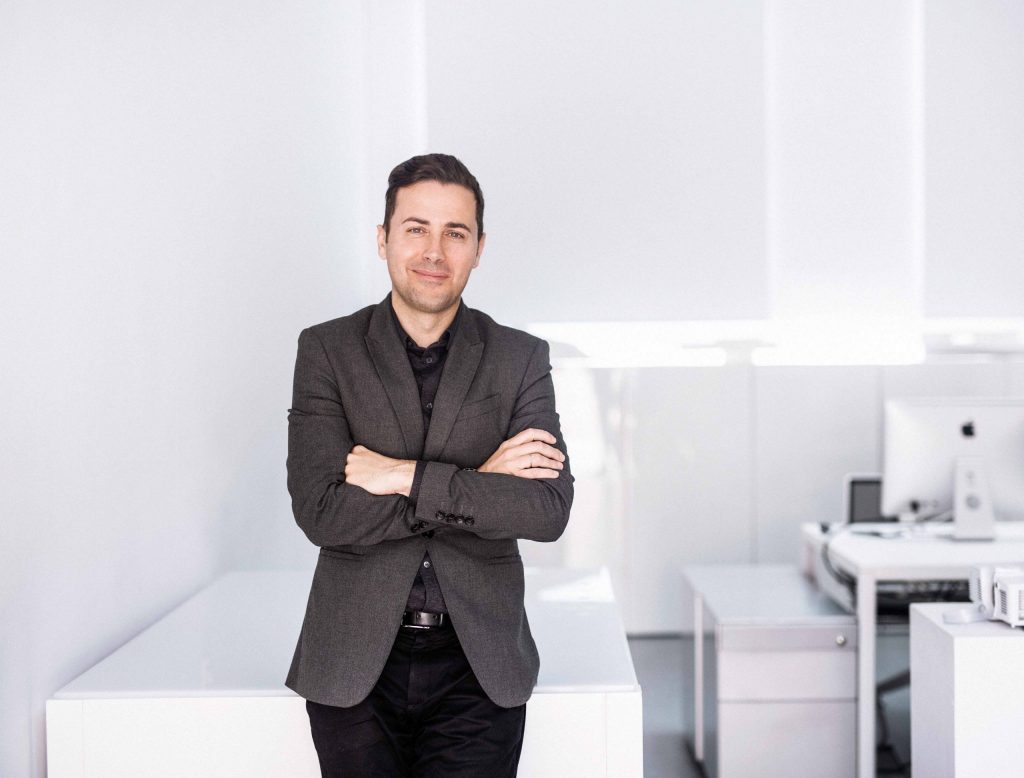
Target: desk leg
866, 609
698, 678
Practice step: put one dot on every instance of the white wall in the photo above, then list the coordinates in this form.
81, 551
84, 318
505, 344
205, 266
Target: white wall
843, 167
176, 190
975, 158
843, 98
620, 149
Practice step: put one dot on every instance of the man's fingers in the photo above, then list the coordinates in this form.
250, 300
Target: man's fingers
536, 447
536, 472
531, 449
530, 434
530, 461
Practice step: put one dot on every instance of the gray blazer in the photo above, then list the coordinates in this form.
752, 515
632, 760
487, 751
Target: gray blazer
353, 385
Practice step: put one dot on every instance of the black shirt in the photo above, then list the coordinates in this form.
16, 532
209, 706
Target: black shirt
427, 365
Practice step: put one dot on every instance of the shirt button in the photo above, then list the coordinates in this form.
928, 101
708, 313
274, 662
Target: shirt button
429, 360
429, 406
426, 563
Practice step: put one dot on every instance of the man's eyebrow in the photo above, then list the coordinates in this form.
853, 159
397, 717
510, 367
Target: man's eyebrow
448, 226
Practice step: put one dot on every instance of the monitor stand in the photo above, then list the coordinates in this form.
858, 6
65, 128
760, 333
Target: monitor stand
972, 506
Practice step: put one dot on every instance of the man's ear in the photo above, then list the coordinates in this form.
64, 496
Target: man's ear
382, 242
480, 248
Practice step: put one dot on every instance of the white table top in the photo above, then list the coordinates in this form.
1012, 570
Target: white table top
769, 594
236, 638
989, 630
920, 554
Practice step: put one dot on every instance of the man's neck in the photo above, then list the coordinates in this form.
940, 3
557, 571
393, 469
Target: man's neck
425, 329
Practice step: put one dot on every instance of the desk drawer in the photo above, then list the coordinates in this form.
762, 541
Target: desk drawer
787, 675
773, 638
786, 739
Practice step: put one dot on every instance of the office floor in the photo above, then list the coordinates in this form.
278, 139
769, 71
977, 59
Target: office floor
659, 663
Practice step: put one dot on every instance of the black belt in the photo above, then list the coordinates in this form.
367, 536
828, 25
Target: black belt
423, 620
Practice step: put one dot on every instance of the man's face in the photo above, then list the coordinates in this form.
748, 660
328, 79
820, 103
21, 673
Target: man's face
432, 245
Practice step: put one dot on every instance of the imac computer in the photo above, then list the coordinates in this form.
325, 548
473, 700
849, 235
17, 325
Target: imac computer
962, 458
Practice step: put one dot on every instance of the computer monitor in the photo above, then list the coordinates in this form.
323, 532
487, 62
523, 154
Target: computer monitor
925, 438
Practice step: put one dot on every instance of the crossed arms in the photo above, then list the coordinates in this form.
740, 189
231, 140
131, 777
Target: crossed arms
346, 494
530, 454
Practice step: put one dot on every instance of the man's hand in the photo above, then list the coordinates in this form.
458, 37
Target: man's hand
530, 454
377, 473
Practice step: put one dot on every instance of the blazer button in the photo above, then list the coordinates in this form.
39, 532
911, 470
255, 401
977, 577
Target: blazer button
469, 520
439, 515
459, 520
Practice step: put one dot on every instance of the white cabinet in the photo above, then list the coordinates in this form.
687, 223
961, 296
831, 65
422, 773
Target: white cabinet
967, 696
201, 692
774, 675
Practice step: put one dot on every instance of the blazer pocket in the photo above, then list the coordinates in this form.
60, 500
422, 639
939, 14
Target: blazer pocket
478, 408
505, 559
341, 553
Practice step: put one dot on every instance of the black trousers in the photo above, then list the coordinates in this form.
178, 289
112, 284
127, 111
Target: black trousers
427, 716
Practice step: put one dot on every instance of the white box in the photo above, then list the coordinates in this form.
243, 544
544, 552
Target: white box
967, 696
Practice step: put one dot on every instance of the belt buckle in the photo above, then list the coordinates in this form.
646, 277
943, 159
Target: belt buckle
411, 615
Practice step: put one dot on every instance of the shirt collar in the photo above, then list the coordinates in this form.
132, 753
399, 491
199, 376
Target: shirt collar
443, 342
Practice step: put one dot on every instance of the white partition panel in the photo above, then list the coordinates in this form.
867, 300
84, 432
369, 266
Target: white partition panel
813, 426
1015, 379
944, 380
692, 483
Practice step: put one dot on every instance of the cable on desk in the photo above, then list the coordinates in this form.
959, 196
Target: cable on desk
942, 517
844, 579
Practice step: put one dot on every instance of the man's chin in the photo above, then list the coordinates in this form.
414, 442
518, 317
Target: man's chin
429, 304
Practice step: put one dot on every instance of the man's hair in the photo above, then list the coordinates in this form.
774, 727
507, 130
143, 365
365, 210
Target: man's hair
432, 167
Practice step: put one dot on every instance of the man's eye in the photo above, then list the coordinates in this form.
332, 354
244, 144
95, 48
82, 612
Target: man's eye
456, 235
416, 230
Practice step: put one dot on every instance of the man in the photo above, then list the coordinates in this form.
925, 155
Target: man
422, 442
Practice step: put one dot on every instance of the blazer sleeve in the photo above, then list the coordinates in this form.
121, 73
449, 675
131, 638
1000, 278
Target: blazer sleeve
329, 510
497, 505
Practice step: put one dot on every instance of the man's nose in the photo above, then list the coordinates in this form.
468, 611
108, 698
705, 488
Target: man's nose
434, 252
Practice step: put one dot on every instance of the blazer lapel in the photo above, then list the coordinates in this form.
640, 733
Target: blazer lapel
459, 368
392, 363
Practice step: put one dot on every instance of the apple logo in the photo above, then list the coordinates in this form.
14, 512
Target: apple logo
967, 428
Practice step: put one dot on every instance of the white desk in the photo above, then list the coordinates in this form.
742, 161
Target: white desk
967, 699
201, 692
922, 557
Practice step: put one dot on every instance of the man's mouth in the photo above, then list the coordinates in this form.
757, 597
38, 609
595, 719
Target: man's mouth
430, 275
